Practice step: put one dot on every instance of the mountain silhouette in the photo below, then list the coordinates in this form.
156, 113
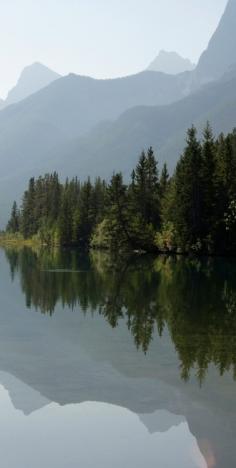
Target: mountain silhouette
220, 54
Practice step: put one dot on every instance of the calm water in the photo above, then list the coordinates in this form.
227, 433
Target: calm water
116, 364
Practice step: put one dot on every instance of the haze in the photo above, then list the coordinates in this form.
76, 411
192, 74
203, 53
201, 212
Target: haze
101, 38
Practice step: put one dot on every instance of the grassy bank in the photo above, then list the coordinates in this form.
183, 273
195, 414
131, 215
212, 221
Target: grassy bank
18, 240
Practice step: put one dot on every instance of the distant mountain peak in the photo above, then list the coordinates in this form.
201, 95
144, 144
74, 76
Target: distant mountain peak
33, 78
171, 63
36, 66
220, 55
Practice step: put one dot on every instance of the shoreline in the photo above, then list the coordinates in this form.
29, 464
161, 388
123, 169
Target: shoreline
33, 243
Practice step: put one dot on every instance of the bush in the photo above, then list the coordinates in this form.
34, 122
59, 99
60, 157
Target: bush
165, 240
100, 238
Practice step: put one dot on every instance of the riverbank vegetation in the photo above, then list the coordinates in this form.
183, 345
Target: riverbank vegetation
194, 210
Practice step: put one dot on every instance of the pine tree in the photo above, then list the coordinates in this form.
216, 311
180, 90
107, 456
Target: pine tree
164, 181
153, 200
140, 186
13, 225
188, 194
118, 214
85, 220
146, 188
208, 185
65, 222
28, 219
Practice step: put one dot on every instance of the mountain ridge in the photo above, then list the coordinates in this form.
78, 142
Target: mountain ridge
79, 125
220, 54
116, 145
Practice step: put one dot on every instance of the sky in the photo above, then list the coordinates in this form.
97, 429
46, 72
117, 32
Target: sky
100, 38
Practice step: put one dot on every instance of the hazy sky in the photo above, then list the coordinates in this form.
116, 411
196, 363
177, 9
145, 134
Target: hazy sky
100, 38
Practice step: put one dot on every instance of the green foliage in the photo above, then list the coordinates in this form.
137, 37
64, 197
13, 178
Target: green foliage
199, 196
192, 211
165, 240
188, 201
145, 189
101, 236
118, 214
13, 225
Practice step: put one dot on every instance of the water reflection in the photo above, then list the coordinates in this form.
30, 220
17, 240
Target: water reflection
56, 433
101, 367
194, 300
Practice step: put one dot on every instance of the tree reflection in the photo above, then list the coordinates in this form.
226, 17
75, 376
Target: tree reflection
195, 300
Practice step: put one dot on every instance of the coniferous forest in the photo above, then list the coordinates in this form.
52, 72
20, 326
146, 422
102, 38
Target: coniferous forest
194, 210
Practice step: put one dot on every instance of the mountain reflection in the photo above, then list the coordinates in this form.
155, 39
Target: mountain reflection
195, 300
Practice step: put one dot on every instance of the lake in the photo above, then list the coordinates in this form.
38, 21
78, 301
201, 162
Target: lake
116, 363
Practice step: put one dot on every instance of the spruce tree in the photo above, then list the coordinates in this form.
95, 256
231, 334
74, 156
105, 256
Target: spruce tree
65, 222
13, 225
164, 181
208, 185
118, 214
188, 194
146, 188
153, 200
28, 218
85, 213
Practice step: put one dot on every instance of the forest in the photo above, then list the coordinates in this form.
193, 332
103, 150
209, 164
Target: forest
191, 211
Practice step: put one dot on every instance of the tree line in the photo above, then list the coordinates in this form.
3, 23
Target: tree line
194, 210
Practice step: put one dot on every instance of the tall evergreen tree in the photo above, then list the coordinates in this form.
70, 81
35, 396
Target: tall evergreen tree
164, 181
118, 214
85, 214
65, 222
28, 219
13, 225
208, 184
146, 188
188, 194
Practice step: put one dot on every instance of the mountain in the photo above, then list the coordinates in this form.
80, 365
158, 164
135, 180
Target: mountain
79, 125
171, 63
39, 147
221, 52
32, 79
1, 104
116, 145
65, 110
74, 104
